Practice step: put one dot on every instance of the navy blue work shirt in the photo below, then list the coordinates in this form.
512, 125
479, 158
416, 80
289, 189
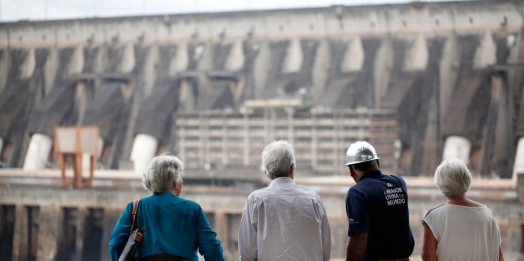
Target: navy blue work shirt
378, 205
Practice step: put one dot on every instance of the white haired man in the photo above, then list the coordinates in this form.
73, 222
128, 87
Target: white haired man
460, 229
283, 221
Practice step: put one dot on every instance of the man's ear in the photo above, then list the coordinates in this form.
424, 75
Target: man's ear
292, 171
351, 170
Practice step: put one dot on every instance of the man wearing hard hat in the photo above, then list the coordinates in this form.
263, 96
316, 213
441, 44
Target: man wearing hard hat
377, 209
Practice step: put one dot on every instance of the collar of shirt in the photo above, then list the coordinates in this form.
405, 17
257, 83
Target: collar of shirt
281, 180
373, 174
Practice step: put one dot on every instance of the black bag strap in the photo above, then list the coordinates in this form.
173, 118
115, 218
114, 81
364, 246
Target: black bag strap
133, 214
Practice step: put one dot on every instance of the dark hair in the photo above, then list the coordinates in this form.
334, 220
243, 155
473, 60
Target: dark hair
364, 165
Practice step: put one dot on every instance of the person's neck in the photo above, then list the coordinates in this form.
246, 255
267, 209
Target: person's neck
463, 201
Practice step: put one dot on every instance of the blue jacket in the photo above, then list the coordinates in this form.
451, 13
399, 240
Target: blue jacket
174, 226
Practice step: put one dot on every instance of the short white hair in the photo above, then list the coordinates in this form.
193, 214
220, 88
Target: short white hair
277, 159
162, 171
453, 178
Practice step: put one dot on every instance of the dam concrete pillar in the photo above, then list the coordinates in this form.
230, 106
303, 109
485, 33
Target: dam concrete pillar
486, 52
457, 147
518, 167
144, 149
38, 152
294, 57
29, 64
48, 233
354, 56
128, 59
220, 226
417, 58
236, 58
181, 59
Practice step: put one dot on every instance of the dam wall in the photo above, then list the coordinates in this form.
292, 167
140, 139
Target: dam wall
451, 73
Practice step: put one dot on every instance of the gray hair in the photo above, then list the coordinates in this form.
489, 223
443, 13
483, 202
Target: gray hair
277, 158
162, 171
453, 178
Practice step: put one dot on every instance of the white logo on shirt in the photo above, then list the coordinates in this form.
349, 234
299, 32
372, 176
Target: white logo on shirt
389, 185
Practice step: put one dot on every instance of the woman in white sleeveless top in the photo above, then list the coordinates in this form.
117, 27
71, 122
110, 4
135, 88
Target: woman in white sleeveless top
461, 229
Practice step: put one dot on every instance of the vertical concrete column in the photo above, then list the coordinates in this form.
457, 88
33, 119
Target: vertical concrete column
520, 187
486, 52
207, 150
266, 125
246, 138
261, 69
143, 150
235, 61
290, 125
79, 240
321, 66
341, 132
76, 65
354, 56
150, 72
448, 74
220, 227
20, 234
457, 147
201, 139
224, 140
1, 144
29, 64
294, 58
38, 152
5, 64
417, 58
335, 142
181, 59
111, 217
272, 124
48, 233
314, 140
518, 167
128, 59
382, 70
180, 122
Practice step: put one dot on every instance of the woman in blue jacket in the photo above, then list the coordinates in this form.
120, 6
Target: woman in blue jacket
176, 227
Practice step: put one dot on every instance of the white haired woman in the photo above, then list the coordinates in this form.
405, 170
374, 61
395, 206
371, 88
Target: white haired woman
176, 227
461, 229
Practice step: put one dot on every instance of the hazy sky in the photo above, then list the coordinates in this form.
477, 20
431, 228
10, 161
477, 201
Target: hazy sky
13, 10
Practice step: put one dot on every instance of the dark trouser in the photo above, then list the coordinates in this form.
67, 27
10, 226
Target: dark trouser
162, 257
400, 259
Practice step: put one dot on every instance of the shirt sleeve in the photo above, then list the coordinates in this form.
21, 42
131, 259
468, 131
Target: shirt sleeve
495, 226
120, 234
357, 212
326, 233
430, 222
247, 233
208, 243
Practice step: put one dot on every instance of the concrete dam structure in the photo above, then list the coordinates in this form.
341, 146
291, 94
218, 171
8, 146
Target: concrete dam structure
421, 82
451, 73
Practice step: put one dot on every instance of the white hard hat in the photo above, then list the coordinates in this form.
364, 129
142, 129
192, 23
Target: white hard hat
360, 151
